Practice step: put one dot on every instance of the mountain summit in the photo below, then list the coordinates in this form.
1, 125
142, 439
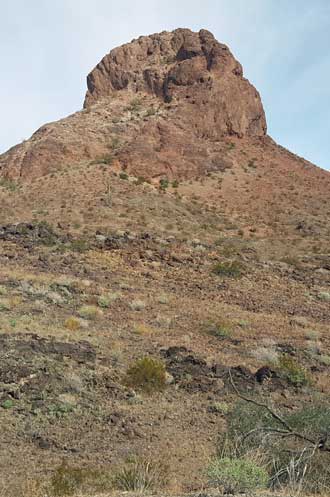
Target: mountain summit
194, 93
192, 69
175, 106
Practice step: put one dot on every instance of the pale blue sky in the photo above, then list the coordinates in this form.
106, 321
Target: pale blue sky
47, 47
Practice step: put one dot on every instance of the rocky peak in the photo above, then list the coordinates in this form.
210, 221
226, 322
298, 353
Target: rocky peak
183, 66
191, 96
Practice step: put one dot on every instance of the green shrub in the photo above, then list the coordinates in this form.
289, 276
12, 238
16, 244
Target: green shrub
104, 301
231, 269
292, 371
7, 404
237, 475
163, 184
123, 176
141, 476
147, 374
324, 359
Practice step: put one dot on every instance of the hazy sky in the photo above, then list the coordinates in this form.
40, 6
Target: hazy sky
47, 47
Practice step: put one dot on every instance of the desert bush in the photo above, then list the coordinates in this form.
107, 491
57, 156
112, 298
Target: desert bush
5, 306
68, 480
292, 371
72, 323
135, 105
163, 184
162, 298
312, 335
9, 184
266, 355
324, 296
103, 301
147, 374
141, 475
221, 328
3, 290
123, 176
90, 312
137, 305
143, 329
324, 359
231, 269
79, 245
151, 111
237, 475
219, 407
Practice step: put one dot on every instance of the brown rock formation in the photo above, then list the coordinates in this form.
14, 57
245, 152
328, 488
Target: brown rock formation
168, 99
184, 65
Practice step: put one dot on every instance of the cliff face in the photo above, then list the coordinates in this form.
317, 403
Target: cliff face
168, 99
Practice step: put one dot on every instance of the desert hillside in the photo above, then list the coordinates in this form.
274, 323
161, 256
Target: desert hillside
164, 285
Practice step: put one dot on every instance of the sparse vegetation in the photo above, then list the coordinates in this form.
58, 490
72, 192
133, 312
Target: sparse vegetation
9, 184
141, 475
288, 444
72, 323
237, 475
137, 305
291, 370
221, 328
230, 269
163, 184
147, 374
324, 296
104, 301
90, 312
79, 245
69, 480
135, 105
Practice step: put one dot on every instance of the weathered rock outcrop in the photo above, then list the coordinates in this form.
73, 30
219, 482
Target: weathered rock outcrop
184, 65
167, 101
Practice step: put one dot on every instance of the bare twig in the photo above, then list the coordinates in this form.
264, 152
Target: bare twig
289, 431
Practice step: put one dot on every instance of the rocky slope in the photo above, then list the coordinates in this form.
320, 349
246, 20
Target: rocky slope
159, 221
176, 106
